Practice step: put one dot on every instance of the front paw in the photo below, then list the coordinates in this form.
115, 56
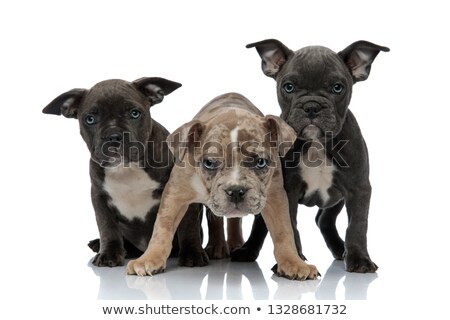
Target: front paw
193, 257
297, 270
218, 251
244, 254
109, 259
359, 264
144, 266
234, 244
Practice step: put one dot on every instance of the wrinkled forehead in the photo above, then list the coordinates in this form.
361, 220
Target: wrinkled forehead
248, 135
316, 61
112, 93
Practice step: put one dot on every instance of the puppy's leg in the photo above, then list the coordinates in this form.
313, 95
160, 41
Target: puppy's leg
131, 250
276, 216
326, 221
250, 249
111, 251
292, 194
234, 233
190, 238
174, 203
217, 247
356, 256
293, 209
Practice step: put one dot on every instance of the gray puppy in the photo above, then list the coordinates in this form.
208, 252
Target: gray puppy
129, 167
328, 166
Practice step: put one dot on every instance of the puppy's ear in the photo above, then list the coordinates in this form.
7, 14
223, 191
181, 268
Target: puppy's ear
274, 55
155, 88
66, 104
185, 138
280, 133
359, 57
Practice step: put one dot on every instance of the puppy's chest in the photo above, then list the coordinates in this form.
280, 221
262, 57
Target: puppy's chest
317, 171
131, 191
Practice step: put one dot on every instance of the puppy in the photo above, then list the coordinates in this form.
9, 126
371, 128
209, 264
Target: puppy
328, 165
228, 159
129, 166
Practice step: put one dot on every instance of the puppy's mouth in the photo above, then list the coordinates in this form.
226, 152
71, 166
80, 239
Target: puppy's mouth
233, 210
312, 117
307, 129
115, 153
311, 132
235, 213
312, 129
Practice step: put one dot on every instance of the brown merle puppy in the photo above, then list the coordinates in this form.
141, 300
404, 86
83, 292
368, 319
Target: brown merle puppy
130, 165
228, 158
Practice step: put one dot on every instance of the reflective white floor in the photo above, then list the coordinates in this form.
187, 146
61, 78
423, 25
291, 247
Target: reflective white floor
223, 279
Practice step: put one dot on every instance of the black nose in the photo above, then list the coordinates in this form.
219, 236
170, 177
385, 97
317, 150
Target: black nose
115, 137
236, 194
312, 109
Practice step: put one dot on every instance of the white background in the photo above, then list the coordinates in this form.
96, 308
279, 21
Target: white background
49, 47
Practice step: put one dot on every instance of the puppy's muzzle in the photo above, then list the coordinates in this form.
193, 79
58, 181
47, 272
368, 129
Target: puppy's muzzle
312, 109
236, 194
109, 146
114, 137
112, 134
313, 106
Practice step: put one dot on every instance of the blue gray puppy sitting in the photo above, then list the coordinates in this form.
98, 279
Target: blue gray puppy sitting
328, 165
130, 165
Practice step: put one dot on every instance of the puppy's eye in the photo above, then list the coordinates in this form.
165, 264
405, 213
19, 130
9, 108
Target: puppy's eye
337, 88
90, 120
261, 163
288, 87
210, 164
135, 114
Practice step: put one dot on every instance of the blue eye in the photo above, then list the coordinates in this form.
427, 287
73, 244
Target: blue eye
90, 119
288, 87
210, 164
135, 114
337, 88
261, 163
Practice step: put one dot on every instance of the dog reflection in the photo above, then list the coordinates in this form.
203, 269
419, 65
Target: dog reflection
356, 285
221, 280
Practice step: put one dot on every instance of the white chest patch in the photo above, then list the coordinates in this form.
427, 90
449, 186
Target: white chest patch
317, 172
131, 190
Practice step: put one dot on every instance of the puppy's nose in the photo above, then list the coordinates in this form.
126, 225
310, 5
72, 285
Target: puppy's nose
312, 109
236, 194
115, 137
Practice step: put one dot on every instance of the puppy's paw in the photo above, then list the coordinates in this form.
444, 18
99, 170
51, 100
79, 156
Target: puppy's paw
109, 259
244, 254
234, 244
359, 264
337, 249
193, 257
146, 266
297, 270
218, 251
